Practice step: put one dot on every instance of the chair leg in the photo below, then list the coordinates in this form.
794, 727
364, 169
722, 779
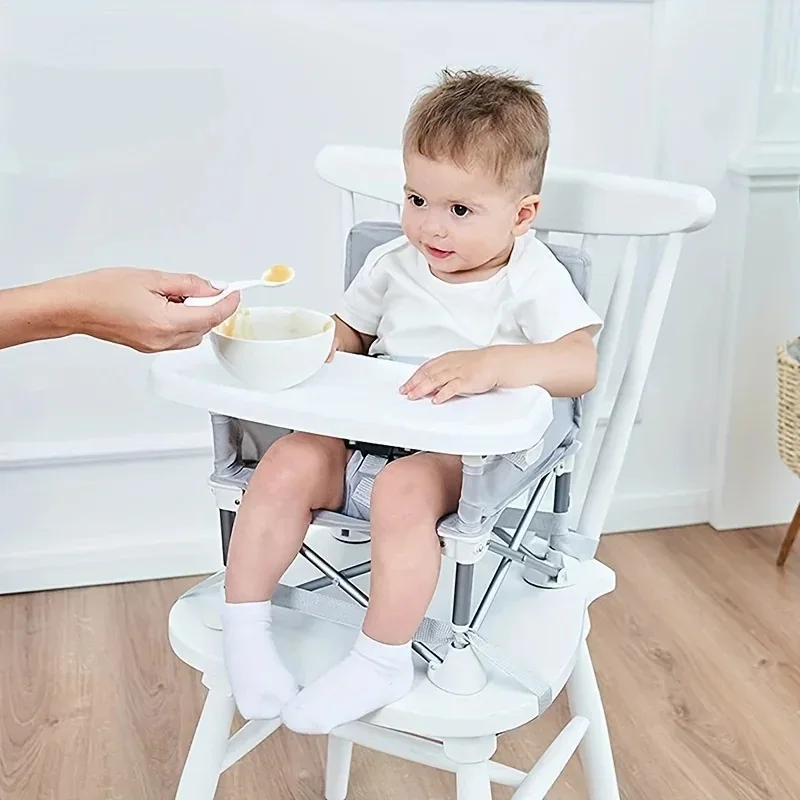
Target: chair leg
472, 782
337, 769
471, 757
595, 748
226, 520
209, 745
791, 535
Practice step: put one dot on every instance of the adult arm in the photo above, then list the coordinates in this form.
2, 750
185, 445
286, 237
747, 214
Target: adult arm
138, 308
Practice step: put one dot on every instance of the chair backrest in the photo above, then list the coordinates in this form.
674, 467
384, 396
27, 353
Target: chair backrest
593, 207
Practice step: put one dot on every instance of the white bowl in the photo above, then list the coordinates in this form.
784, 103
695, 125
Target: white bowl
273, 348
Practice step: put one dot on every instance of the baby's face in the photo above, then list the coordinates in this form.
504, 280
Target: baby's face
461, 220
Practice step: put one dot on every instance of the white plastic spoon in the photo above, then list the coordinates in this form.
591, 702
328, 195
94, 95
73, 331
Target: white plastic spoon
279, 275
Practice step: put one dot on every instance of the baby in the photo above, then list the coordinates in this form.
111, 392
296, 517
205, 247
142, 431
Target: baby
481, 303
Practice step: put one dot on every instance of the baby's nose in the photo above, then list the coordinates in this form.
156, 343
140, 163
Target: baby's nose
434, 226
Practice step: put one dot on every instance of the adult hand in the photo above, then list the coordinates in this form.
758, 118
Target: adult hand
143, 309
139, 308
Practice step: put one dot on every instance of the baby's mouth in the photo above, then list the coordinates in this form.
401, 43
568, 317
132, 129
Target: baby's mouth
435, 252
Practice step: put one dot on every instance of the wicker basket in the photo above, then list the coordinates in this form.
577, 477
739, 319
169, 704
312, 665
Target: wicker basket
789, 408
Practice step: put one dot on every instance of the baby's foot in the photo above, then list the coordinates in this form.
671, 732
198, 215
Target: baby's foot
372, 676
260, 683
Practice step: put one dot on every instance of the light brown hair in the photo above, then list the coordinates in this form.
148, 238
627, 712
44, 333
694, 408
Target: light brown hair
484, 117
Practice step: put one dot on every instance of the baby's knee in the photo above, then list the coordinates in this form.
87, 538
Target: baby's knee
293, 462
403, 496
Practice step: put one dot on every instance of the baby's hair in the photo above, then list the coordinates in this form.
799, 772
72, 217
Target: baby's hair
482, 117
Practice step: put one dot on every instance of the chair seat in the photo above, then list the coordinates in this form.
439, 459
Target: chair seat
542, 628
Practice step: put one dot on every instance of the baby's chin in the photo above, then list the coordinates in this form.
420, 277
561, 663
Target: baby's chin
456, 264
450, 265
451, 269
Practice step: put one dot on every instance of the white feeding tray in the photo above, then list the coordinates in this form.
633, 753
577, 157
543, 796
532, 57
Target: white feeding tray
357, 397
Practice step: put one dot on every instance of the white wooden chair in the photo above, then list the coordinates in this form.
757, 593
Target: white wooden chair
502, 666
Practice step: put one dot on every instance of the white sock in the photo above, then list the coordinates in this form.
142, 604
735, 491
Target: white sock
372, 676
260, 683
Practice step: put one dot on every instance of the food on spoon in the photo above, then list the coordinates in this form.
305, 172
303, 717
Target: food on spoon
278, 273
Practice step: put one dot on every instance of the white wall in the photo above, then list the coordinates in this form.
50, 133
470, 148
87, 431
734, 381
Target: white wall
750, 483
183, 136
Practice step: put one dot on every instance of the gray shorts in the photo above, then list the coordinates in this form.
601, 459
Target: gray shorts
359, 479
367, 460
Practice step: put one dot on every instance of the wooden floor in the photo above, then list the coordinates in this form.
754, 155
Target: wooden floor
697, 654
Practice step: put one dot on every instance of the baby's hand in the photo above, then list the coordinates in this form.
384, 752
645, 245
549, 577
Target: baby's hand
459, 372
336, 345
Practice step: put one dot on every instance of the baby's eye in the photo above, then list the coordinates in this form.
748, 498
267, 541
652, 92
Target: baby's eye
459, 210
416, 200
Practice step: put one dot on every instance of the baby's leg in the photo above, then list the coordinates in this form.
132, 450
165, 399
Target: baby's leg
298, 474
409, 498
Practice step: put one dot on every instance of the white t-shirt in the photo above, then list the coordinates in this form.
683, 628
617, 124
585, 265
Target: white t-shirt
396, 298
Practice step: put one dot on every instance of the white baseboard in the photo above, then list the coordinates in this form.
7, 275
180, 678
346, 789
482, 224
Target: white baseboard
115, 539
72, 452
166, 556
116, 562
641, 512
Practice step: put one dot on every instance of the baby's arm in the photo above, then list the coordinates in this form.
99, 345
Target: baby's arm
349, 340
360, 310
566, 367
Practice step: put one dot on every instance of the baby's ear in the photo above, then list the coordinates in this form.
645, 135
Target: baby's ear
526, 213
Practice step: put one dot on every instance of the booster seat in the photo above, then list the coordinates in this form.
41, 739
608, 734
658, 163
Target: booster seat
239, 444
488, 666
